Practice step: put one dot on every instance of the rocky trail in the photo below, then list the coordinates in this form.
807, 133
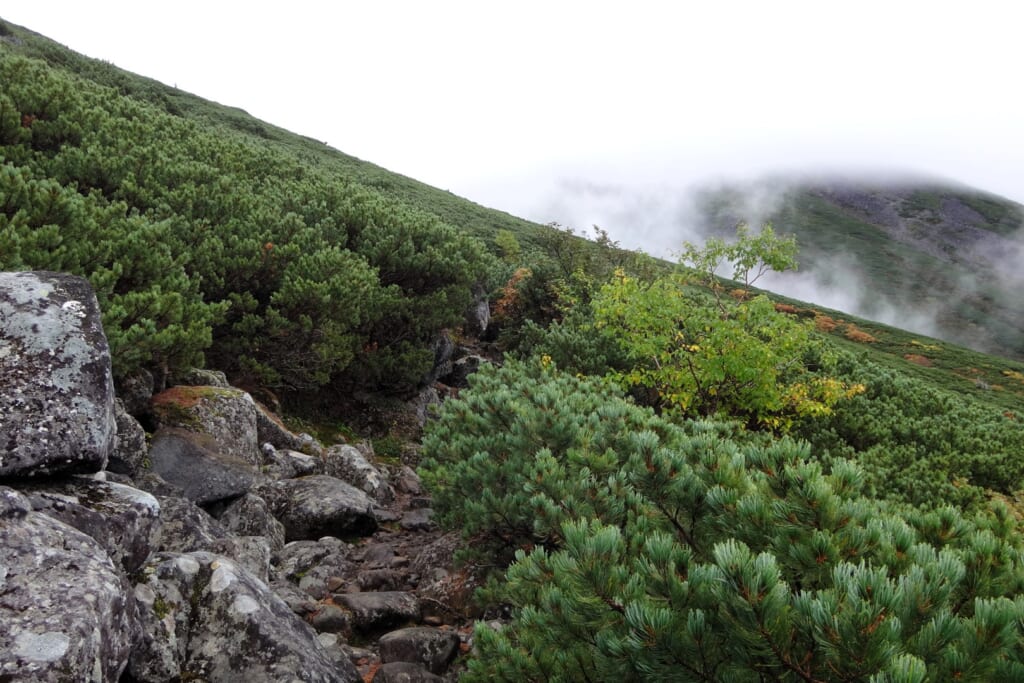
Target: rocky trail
212, 545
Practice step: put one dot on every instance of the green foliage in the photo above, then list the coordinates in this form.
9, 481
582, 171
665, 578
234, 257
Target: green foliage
751, 256
199, 239
570, 427
560, 277
672, 554
919, 444
723, 356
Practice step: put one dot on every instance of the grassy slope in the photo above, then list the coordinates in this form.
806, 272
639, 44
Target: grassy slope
993, 380
821, 226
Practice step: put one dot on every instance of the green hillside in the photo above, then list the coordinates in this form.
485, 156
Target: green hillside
670, 476
479, 220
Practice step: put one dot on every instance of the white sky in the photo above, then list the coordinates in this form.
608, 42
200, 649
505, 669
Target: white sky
529, 106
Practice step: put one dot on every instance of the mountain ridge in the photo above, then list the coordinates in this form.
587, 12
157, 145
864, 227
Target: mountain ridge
944, 252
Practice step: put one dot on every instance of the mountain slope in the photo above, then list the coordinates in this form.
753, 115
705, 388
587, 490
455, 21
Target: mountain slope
230, 207
479, 220
937, 258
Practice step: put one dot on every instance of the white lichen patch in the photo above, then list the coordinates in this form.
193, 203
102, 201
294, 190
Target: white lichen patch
244, 604
186, 565
145, 594
41, 647
74, 307
223, 576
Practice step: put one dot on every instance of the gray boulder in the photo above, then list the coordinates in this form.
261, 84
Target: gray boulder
318, 505
270, 429
431, 647
418, 519
185, 527
422, 406
443, 348
129, 456
295, 559
317, 567
206, 618
57, 405
380, 610
404, 672
348, 464
251, 516
201, 377
135, 390
64, 606
408, 481
226, 416
120, 518
329, 618
478, 315
299, 602
288, 464
462, 369
196, 464
251, 552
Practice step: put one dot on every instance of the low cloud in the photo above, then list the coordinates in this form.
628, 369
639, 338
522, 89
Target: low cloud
840, 285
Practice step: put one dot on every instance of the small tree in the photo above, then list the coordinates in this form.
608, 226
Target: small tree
705, 356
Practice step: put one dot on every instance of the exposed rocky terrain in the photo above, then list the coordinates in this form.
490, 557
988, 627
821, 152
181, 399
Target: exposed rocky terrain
219, 546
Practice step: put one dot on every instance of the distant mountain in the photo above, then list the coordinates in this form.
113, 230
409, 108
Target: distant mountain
939, 259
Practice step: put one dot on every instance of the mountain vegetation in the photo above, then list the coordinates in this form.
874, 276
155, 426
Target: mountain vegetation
671, 475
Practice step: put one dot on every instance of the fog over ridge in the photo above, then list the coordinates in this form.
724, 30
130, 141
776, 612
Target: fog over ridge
977, 263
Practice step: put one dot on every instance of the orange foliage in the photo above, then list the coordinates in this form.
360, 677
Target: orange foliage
786, 308
508, 304
917, 359
824, 323
853, 333
181, 396
740, 294
371, 672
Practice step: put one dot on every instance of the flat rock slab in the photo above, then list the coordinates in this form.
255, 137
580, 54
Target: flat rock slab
430, 647
66, 612
196, 464
57, 403
318, 505
380, 610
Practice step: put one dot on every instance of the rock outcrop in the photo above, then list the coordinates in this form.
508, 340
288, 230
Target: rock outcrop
208, 617
64, 605
57, 403
219, 547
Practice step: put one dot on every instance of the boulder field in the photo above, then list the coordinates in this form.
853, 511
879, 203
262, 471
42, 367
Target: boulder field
219, 546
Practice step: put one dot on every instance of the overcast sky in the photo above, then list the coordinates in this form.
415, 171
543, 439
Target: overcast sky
571, 111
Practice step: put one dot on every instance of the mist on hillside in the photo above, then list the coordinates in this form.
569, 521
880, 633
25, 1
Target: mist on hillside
657, 219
